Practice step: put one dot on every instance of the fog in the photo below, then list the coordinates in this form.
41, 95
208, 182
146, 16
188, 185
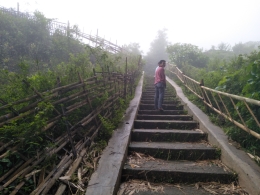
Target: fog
202, 22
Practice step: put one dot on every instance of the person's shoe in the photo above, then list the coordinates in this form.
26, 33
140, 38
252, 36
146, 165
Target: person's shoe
161, 109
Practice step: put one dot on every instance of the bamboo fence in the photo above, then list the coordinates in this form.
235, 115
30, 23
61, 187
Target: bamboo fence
225, 104
71, 144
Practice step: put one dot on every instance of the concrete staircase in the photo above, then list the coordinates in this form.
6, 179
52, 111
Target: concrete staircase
168, 146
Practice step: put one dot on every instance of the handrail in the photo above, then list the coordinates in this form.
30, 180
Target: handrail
223, 103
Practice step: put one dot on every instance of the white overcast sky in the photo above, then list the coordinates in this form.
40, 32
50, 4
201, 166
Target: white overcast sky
200, 22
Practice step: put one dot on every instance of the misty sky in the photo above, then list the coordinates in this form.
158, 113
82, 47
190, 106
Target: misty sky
200, 22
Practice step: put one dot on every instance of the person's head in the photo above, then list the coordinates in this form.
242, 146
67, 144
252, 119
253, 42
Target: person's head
162, 63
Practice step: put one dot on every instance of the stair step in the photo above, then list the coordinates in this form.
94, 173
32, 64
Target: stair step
166, 188
164, 117
165, 107
178, 171
151, 98
152, 92
151, 101
165, 112
151, 95
162, 135
175, 150
165, 124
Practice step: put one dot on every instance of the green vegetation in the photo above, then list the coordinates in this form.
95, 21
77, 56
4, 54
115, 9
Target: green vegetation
31, 41
157, 52
220, 69
244, 140
34, 61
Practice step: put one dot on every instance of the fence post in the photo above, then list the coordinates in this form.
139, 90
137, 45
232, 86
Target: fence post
125, 77
74, 152
139, 61
183, 78
205, 99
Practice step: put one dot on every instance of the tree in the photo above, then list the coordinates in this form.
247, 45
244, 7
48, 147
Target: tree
245, 48
133, 48
213, 47
224, 47
157, 51
183, 53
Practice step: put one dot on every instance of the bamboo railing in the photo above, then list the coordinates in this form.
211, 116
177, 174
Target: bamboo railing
69, 144
224, 104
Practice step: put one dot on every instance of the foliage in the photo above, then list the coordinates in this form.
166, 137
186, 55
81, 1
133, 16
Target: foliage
239, 75
109, 125
28, 134
245, 48
157, 51
33, 61
133, 49
221, 55
242, 77
182, 54
31, 40
224, 47
244, 139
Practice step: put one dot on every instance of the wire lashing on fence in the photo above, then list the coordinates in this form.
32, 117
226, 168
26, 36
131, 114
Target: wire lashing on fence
223, 103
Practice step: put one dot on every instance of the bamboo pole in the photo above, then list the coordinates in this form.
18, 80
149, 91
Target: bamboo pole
44, 183
69, 133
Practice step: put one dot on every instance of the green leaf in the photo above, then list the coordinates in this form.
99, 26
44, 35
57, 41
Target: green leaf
5, 160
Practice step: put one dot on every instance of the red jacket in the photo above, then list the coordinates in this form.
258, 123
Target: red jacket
159, 75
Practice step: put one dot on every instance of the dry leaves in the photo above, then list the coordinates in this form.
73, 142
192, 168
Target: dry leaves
137, 159
218, 188
135, 186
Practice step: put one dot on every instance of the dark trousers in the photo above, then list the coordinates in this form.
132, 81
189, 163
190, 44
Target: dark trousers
159, 95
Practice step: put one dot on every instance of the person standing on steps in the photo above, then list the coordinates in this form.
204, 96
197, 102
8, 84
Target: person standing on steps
160, 85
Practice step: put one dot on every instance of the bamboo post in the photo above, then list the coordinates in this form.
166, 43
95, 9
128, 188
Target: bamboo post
131, 84
104, 77
125, 77
94, 73
139, 61
88, 100
204, 95
69, 133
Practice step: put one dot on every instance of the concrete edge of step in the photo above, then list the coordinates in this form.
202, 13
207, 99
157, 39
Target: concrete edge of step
248, 171
106, 179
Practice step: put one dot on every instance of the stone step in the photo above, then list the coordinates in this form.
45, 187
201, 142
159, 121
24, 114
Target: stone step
177, 172
164, 117
142, 188
165, 107
153, 91
151, 101
167, 135
165, 124
165, 112
164, 99
152, 88
176, 150
147, 95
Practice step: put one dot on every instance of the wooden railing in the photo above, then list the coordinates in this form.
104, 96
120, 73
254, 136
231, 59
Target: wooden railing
70, 138
224, 104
